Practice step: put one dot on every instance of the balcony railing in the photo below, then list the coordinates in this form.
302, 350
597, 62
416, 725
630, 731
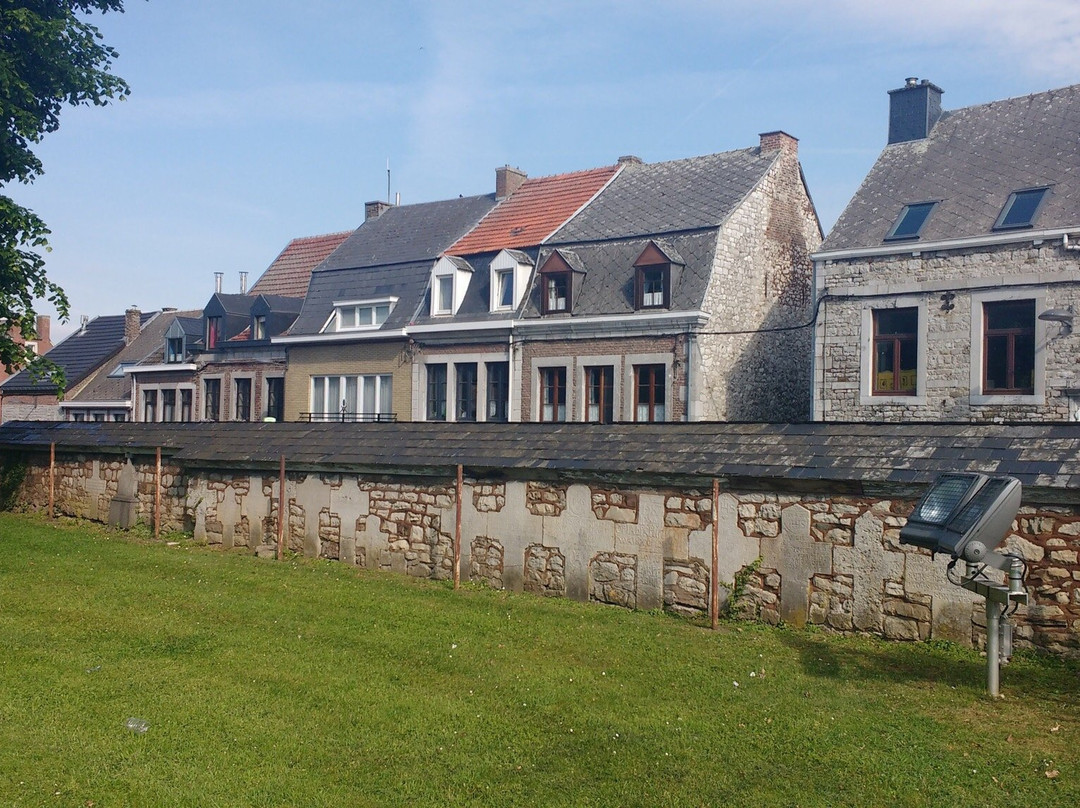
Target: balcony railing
348, 417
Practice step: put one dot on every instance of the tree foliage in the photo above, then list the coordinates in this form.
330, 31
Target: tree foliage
49, 58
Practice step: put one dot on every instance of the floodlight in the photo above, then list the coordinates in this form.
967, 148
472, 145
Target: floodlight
964, 515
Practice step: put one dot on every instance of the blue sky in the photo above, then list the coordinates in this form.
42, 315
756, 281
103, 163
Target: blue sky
252, 122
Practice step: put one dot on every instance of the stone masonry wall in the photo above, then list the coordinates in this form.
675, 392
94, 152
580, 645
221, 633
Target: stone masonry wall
761, 282
833, 561
949, 287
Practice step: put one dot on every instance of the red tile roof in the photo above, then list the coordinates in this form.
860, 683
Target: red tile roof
534, 211
288, 275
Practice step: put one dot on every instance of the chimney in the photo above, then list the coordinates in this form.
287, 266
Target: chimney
132, 324
218, 277
629, 160
373, 210
508, 180
778, 141
43, 337
913, 110
243, 282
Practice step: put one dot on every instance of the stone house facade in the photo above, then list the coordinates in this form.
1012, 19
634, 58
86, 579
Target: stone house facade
947, 289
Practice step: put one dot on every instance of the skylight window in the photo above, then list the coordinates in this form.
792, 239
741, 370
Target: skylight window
911, 221
1021, 209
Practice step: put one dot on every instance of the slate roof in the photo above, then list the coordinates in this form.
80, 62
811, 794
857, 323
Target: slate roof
409, 233
660, 198
856, 456
534, 211
608, 284
148, 347
79, 355
289, 273
406, 282
476, 305
972, 160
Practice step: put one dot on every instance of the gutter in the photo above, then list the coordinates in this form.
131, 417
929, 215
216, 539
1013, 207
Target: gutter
917, 247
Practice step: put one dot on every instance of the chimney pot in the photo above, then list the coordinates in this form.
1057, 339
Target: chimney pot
508, 180
243, 282
913, 110
218, 277
132, 324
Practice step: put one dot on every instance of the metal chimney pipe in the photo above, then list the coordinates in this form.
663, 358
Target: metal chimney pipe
243, 282
218, 276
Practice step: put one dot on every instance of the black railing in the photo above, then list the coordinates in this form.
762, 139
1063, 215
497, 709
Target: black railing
348, 417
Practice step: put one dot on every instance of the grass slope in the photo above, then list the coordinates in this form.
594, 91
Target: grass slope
312, 683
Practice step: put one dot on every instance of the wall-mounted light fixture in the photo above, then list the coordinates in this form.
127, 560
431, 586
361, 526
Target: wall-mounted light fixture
1062, 316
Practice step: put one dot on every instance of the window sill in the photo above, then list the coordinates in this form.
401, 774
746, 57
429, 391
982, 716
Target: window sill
979, 399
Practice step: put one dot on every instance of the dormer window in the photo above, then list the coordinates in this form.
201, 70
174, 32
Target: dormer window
1020, 209
910, 222
509, 276
444, 303
258, 327
449, 281
213, 332
358, 315
652, 287
556, 292
559, 282
653, 276
174, 350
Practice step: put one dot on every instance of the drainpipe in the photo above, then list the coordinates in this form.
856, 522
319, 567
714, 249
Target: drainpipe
510, 377
1066, 245
691, 404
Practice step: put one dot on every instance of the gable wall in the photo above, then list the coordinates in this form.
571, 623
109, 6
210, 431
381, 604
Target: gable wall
761, 279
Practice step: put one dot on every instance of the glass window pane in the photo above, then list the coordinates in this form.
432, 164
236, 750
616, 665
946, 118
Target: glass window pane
911, 220
436, 392
386, 394
350, 394
318, 394
1021, 208
997, 363
369, 392
333, 394
446, 294
381, 313
364, 315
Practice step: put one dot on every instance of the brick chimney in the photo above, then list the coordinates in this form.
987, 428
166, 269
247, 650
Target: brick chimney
630, 160
508, 180
44, 339
778, 141
373, 210
132, 324
913, 110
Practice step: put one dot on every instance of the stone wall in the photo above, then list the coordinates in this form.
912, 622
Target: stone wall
949, 288
826, 559
748, 369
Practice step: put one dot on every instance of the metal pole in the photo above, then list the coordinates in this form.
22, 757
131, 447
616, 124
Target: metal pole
157, 494
52, 480
281, 512
993, 649
714, 576
457, 530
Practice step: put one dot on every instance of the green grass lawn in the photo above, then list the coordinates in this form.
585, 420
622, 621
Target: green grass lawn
312, 683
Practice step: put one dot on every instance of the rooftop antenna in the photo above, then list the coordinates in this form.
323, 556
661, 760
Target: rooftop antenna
387, 180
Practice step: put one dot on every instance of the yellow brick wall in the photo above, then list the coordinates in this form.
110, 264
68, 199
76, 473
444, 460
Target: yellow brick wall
347, 359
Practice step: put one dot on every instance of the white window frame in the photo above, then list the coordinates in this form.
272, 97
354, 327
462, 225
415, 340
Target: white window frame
866, 354
355, 307
459, 282
378, 379
977, 397
506, 265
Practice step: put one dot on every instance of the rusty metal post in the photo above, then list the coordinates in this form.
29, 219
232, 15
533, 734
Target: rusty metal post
52, 480
157, 494
281, 512
714, 576
457, 530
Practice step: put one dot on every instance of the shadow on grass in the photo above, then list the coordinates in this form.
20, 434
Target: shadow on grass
870, 660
